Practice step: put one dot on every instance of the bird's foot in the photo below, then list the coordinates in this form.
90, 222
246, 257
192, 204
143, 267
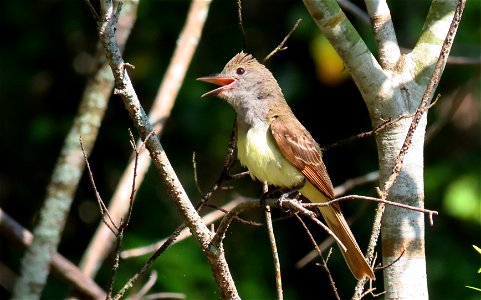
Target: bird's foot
281, 195
287, 195
273, 194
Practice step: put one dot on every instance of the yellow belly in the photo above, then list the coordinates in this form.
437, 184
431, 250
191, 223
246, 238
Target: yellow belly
257, 150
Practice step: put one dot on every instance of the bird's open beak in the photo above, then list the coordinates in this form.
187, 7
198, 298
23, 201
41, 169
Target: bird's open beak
224, 82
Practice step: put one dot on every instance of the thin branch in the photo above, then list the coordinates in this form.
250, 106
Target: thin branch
393, 262
324, 261
327, 242
241, 23
148, 264
275, 255
272, 241
464, 60
164, 295
238, 175
194, 168
281, 47
293, 205
378, 129
376, 230
357, 181
370, 291
224, 175
137, 152
242, 220
104, 212
184, 232
380, 200
146, 287
125, 222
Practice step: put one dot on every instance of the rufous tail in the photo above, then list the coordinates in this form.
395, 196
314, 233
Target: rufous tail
353, 255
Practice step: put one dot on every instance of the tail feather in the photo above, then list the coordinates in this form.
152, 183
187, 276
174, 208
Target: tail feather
353, 255
336, 222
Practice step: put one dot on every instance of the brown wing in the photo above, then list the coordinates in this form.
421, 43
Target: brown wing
299, 148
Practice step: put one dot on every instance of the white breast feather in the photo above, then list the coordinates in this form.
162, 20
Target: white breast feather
258, 151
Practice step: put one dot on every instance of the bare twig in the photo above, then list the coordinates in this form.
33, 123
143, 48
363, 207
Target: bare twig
463, 60
238, 175
137, 152
293, 205
125, 222
353, 182
376, 230
224, 175
104, 212
324, 261
365, 198
165, 295
327, 242
281, 47
366, 134
272, 240
241, 23
370, 291
393, 262
184, 232
194, 168
147, 286
275, 255
94, 13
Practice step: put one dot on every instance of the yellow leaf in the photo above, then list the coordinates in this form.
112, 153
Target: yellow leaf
329, 66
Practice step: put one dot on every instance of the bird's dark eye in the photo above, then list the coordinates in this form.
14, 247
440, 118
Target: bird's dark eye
240, 71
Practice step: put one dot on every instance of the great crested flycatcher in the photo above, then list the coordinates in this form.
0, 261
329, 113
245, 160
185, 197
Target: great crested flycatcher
277, 149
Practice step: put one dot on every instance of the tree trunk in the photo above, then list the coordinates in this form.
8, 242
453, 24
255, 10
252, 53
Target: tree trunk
392, 86
402, 230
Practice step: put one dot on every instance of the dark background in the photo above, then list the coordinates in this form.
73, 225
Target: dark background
45, 52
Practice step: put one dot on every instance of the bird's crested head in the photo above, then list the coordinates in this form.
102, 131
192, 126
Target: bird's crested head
244, 80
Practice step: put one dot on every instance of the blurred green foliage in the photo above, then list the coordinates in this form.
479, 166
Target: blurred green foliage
44, 59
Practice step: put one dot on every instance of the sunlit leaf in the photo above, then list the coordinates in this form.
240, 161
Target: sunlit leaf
329, 66
462, 198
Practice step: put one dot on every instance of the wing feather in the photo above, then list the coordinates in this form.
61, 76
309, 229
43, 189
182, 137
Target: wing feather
299, 148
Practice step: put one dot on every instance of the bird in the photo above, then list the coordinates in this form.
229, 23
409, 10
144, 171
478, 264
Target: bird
277, 149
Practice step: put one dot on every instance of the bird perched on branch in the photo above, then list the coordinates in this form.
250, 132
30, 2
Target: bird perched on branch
277, 149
